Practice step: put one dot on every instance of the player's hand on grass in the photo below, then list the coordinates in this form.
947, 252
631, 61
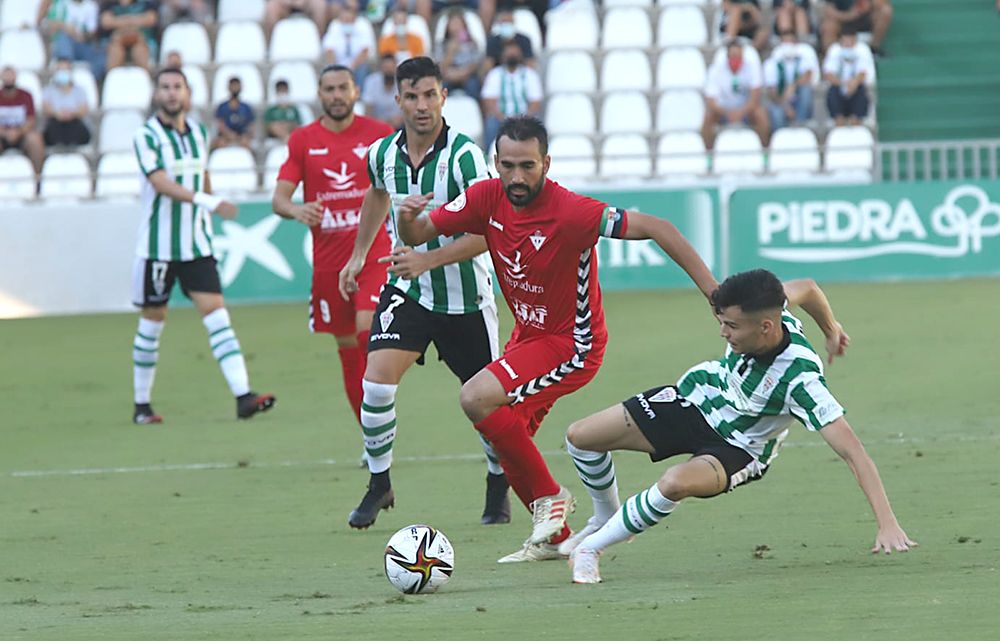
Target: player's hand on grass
309, 214
349, 276
412, 206
836, 343
406, 263
891, 539
226, 210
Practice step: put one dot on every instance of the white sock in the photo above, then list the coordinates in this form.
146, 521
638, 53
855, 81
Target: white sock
640, 512
492, 460
226, 349
145, 353
597, 471
378, 423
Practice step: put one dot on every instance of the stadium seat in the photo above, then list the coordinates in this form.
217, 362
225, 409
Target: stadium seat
127, 88
240, 42
680, 110
249, 75
234, 10
681, 154
275, 158
698, 3
416, 25
463, 113
680, 27
294, 38
365, 32
83, 78
199, 86
189, 39
625, 112
571, 28
738, 151
306, 112
117, 131
28, 80
570, 71
17, 177
680, 68
794, 151
850, 149
472, 21
65, 176
570, 113
625, 156
572, 157
625, 69
301, 77
627, 27
117, 175
233, 171
18, 14
526, 22
23, 49
609, 4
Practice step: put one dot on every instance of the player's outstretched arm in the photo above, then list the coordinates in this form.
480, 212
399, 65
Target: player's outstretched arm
413, 228
374, 209
171, 189
669, 238
805, 293
844, 441
308, 214
408, 264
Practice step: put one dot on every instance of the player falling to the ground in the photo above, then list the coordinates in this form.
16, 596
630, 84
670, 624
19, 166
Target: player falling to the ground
541, 237
731, 415
175, 243
329, 157
439, 291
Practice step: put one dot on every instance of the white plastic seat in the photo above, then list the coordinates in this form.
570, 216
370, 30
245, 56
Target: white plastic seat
117, 175
627, 27
681, 3
233, 170
738, 151
572, 157
681, 26
240, 42
22, 48
28, 80
570, 71
17, 14
681, 68
198, 85
249, 75
608, 4
680, 110
127, 88
463, 113
17, 177
571, 28
416, 25
570, 113
275, 158
301, 78
625, 69
188, 38
472, 21
83, 78
233, 10
681, 153
294, 38
850, 149
794, 150
65, 176
625, 156
117, 131
625, 112
526, 23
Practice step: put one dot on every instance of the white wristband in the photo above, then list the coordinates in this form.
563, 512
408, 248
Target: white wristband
208, 201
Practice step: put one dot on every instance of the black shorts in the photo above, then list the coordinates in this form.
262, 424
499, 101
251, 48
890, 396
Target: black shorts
152, 280
465, 342
674, 426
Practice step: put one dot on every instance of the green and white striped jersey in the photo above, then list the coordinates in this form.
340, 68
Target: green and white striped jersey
173, 230
453, 164
751, 401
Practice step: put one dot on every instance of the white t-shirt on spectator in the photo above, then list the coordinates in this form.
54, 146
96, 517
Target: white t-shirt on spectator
82, 15
788, 62
847, 63
347, 41
513, 90
732, 90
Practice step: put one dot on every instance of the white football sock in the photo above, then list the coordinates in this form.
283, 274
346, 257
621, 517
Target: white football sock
492, 460
640, 512
378, 423
145, 353
226, 349
597, 471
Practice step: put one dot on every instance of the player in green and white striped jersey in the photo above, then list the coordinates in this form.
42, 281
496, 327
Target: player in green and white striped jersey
731, 415
175, 243
440, 292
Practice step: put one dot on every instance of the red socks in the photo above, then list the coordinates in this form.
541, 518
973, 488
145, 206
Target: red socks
526, 470
353, 361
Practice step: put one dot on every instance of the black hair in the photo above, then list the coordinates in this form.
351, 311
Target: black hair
753, 291
165, 71
416, 68
331, 68
849, 30
525, 127
281, 84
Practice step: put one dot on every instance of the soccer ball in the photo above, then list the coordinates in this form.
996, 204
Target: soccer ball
418, 559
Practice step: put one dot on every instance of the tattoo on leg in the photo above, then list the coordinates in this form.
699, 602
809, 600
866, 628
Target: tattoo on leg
715, 468
628, 418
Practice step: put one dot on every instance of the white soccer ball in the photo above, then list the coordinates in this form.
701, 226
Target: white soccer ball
418, 559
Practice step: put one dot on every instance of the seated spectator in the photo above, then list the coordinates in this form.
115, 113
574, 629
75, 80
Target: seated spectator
129, 31
490, 10
848, 66
743, 19
72, 26
199, 11
379, 93
65, 106
789, 75
347, 45
792, 15
503, 30
282, 117
17, 120
276, 10
173, 60
509, 90
460, 56
732, 95
234, 119
860, 15
400, 41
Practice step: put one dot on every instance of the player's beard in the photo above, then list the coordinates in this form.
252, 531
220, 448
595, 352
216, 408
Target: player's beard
521, 194
339, 111
171, 111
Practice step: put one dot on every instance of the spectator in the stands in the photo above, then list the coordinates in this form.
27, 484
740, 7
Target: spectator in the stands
460, 56
276, 10
234, 119
490, 10
732, 95
72, 26
789, 75
64, 106
511, 89
400, 41
282, 117
347, 43
860, 15
17, 120
379, 93
848, 67
792, 15
502, 31
743, 19
199, 11
129, 31
173, 60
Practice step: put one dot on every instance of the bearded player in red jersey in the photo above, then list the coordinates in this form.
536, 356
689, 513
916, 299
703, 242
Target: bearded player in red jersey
542, 240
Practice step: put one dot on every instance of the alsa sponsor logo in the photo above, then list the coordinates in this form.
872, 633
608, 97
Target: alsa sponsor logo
528, 314
339, 220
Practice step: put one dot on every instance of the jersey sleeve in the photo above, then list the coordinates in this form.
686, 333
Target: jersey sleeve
811, 402
597, 219
292, 170
374, 171
469, 166
147, 151
467, 213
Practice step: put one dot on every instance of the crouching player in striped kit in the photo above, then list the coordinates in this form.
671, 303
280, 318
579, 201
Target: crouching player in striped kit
731, 415
175, 243
541, 238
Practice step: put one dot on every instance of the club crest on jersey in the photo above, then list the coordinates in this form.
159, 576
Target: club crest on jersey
767, 384
458, 204
360, 151
442, 171
537, 239
665, 395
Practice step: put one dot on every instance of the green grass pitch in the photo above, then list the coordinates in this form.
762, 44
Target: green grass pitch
111, 531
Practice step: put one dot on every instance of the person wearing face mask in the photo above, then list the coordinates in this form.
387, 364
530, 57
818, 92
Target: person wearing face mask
282, 117
789, 75
460, 56
510, 90
732, 94
65, 106
848, 67
234, 119
350, 42
379, 93
17, 120
502, 32
72, 25
400, 41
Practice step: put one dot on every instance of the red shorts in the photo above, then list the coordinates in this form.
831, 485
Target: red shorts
329, 313
538, 371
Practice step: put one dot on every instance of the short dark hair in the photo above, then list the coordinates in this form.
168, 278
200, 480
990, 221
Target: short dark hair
165, 71
281, 84
525, 127
416, 68
233, 79
849, 30
331, 68
753, 291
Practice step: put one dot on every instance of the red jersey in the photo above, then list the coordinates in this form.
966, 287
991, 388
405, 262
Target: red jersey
543, 255
334, 168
